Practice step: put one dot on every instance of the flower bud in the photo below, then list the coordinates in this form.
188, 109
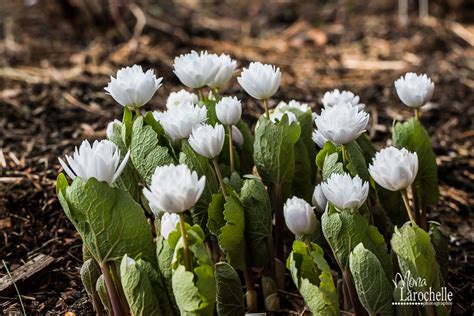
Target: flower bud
133, 87
100, 161
226, 66
110, 128
259, 80
229, 110
342, 123
319, 199
394, 169
299, 216
195, 70
181, 97
174, 188
345, 192
237, 136
414, 90
207, 140
168, 224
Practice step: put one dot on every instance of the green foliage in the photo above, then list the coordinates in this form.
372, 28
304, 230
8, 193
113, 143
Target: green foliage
357, 164
373, 287
227, 223
274, 152
102, 292
440, 242
302, 181
392, 204
246, 151
258, 220
202, 167
328, 149
331, 165
211, 110
345, 230
146, 152
90, 272
414, 137
110, 222
306, 123
230, 300
312, 276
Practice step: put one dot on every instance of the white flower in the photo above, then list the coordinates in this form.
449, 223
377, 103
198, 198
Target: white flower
345, 192
110, 128
259, 80
180, 97
229, 110
414, 90
342, 123
394, 169
276, 116
293, 104
331, 98
237, 136
179, 121
100, 161
207, 140
174, 188
299, 216
318, 138
168, 224
133, 87
195, 70
226, 66
319, 199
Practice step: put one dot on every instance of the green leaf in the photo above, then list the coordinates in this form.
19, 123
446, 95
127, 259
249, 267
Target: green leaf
90, 272
306, 123
235, 182
302, 181
392, 203
258, 220
400, 292
368, 149
313, 278
211, 110
110, 222
127, 121
138, 290
373, 287
102, 292
357, 164
331, 165
164, 254
202, 167
328, 149
246, 151
274, 152
129, 179
440, 242
146, 152
230, 299
414, 137
345, 230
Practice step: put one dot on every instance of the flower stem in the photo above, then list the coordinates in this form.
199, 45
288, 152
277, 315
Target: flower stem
187, 258
111, 290
219, 176
265, 105
345, 157
231, 149
417, 113
137, 112
120, 292
279, 222
407, 205
201, 94
271, 256
359, 310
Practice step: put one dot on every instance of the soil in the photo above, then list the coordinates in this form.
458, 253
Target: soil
55, 60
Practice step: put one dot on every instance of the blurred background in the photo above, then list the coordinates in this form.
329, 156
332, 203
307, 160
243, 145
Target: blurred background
56, 57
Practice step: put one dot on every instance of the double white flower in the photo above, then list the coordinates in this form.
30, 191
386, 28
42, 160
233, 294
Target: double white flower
196, 70
394, 169
100, 161
318, 138
207, 140
319, 199
341, 123
229, 110
179, 121
226, 68
259, 80
180, 97
174, 188
133, 87
299, 216
414, 90
345, 192
331, 98
293, 104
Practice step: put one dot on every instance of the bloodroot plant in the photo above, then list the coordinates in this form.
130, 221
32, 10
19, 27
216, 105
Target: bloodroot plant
191, 211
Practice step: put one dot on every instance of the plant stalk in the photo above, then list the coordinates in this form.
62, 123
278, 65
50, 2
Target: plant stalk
265, 105
201, 94
279, 222
111, 290
417, 114
271, 256
251, 294
358, 308
231, 149
120, 292
345, 157
219, 176
137, 112
187, 258
407, 205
